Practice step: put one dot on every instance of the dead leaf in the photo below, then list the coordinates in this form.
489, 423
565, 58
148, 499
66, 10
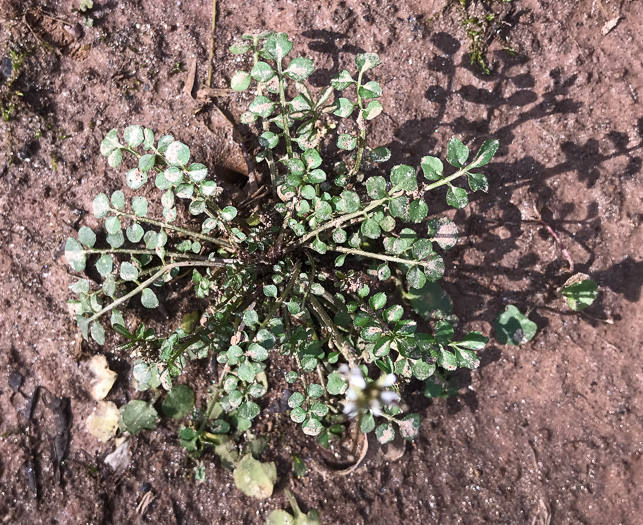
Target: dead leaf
103, 422
120, 458
189, 81
103, 379
610, 25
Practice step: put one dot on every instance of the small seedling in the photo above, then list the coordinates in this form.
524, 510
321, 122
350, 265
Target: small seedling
309, 282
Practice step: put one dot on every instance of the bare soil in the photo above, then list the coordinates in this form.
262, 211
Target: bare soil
548, 432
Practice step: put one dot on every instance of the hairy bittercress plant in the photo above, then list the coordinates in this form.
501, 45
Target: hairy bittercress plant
308, 281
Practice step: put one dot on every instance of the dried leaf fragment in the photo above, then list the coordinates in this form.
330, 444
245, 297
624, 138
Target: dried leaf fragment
103, 422
103, 379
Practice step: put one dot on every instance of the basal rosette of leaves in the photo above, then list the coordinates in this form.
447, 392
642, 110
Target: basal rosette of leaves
309, 280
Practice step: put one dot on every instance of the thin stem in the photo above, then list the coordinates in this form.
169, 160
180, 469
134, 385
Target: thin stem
446, 180
335, 223
379, 256
362, 127
340, 342
224, 244
283, 296
284, 109
147, 252
148, 282
214, 26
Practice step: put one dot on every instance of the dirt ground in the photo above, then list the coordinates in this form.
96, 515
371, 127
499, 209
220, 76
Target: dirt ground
548, 432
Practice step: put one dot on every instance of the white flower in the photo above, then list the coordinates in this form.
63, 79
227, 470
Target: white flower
367, 396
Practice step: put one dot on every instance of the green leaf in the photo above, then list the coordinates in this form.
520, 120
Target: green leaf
239, 49
116, 240
376, 187
457, 153
485, 154
268, 139
146, 162
312, 427
466, 358
296, 400
367, 61
348, 202
137, 415
135, 232
422, 248
385, 433
248, 371
378, 301
148, 139
580, 291
177, 154
368, 423
104, 265
370, 90
97, 332
346, 142
443, 332
164, 142
513, 328
336, 384
344, 107
197, 207
101, 206
179, 402
249, 410
423, 370
113, 225
197, 172
444, 232
135, 178
430, 301
270, 290
257, 353
129, 272
409, 426
370, 229
432, 167
149, 299
110, 143
415, 277
298, 415
228, 213
473, 341
262, 106
262, 72
323, 211
139, 206
383, 272
276, 47
319, 246
418, 210
403, 178
478, 182
312, 159
315, 391
457, 197
299, 69
399, 208
87, 236
373, 109
342, 80
133, 136
316, 176
393, 314
115, 158
75, 254
380, 154
118, 199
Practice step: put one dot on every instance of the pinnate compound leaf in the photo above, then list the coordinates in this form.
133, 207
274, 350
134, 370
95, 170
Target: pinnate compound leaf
457, 153
514, 328
179, 402
255, 479
137, 415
